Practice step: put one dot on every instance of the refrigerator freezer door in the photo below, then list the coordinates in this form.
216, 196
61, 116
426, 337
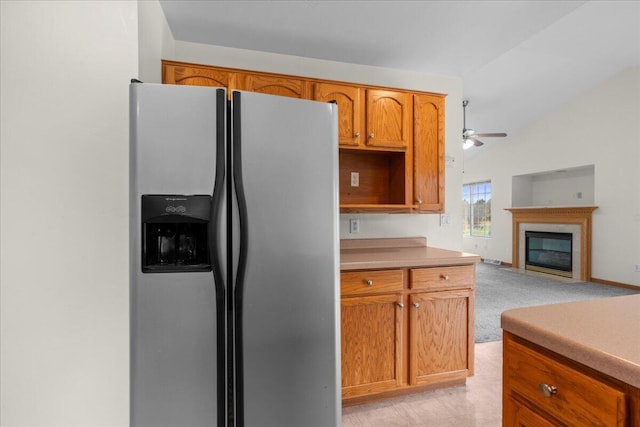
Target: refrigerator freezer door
287, 295
174, 320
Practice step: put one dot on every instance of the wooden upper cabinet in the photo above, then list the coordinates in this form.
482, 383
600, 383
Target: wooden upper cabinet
273, 85
389, 118
391, 141
428, 152
194, 76
350, 110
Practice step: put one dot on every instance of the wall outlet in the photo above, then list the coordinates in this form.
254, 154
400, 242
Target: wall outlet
449, 161
354, 225
445, 219
355, 179
637, 268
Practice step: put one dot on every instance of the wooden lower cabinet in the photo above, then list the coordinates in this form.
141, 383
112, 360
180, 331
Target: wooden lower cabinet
396, 340
525, 417
542, 388
372, 341
441, 346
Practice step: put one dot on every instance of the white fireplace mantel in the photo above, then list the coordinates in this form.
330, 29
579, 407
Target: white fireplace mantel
555, 217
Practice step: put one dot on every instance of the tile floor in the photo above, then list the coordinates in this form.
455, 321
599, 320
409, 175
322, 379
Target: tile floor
478, 404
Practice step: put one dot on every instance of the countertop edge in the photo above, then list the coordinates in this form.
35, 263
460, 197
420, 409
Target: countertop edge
431, 262
609, 364
402, 257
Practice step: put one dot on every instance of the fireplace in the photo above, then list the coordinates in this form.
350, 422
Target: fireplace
549, 252
575, 220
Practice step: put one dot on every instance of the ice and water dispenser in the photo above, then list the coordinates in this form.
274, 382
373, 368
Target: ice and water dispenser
175, 233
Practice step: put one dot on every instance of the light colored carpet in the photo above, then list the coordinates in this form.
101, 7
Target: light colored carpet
500, 288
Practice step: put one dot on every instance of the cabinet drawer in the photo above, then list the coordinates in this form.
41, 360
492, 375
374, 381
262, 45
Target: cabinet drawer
370, 282
577, 400
439, 278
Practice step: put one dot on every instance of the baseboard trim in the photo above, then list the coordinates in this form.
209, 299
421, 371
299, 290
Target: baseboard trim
616, 284
593, 279
502, 263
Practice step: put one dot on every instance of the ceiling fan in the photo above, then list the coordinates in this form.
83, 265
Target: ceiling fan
470, 136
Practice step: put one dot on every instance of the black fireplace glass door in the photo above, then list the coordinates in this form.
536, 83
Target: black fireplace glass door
549, 250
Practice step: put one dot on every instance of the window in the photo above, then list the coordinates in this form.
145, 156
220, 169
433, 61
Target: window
476, 201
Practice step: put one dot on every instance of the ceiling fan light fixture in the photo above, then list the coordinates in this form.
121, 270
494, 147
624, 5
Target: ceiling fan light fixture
470, 136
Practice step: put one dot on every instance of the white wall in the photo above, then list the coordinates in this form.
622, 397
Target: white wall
564, 187
569, 190
155, 40
388, 225
64, 214
600, 127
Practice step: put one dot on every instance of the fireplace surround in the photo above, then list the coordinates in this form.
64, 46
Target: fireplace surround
562, 219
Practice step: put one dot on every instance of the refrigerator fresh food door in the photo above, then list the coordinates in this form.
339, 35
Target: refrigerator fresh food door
285, 154
177, 150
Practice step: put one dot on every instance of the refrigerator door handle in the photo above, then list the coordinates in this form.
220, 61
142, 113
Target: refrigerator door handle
219, 282
240, 198
217, 198
238, 289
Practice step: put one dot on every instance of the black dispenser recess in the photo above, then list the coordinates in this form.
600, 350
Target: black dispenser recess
174, 233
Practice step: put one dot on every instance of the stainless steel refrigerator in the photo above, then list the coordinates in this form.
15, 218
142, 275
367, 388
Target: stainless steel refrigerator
234, 259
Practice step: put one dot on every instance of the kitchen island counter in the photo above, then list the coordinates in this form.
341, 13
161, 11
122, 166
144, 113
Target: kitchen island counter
361, 254
602, 334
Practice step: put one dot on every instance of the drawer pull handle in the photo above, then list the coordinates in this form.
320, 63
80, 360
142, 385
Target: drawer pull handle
369, 282
401, 305
548, 390
416, 305
357, 135
445, 277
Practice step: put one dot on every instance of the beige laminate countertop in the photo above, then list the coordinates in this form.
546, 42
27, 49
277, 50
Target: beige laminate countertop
603, 334
362, 254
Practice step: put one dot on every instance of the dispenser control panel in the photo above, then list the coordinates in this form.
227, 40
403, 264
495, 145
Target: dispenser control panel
175, 233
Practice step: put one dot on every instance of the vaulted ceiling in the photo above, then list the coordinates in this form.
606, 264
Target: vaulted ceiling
518, 59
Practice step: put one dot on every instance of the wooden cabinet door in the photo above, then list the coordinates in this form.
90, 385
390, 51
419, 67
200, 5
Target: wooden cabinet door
441, 336
194, 76
428, 152
389, 119
350, 110
372, 342
521, 416
273, 85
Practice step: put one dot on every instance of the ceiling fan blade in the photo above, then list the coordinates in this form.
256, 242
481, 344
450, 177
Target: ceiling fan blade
491, 135
476, 141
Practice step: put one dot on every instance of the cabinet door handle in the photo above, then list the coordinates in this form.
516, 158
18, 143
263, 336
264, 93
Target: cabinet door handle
401, 305
416, 305
371, 135
419, 201
445, 277
548, 390
369, 282
357, 135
